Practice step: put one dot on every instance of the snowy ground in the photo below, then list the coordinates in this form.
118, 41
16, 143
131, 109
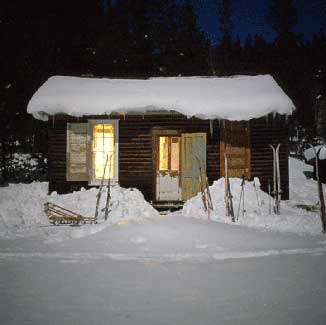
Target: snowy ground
150, 269
299, 215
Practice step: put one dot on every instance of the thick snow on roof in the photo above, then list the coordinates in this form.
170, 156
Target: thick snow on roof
232, 98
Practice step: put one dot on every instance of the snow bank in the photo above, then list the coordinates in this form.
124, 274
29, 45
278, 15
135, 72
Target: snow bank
256, 215
22, 210
126, 204
232, 98
22, 204
310, 153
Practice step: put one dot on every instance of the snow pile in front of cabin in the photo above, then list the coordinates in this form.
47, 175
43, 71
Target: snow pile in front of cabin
22, 210
232, 98
292, 219
310, 153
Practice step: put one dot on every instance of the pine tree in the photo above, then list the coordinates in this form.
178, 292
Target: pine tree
225, 46
282, 18
148, 38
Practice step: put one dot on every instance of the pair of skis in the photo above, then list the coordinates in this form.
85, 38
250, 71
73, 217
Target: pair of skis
276, 178
228, 196
204, 189
99, 194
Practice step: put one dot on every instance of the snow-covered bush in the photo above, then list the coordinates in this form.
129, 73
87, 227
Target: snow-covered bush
21, 164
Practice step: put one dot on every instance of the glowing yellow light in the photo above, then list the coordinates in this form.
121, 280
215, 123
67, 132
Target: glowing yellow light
175, 153
164, 153
103, 147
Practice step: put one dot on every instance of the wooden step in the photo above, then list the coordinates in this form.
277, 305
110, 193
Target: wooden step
165, 206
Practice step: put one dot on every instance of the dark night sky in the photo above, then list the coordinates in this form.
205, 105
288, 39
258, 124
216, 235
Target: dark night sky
249, 17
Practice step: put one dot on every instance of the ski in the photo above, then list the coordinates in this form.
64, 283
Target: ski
228, 195
209, 195
108, 197
278, 175
204, 189
98, 196
242, 198
276, 178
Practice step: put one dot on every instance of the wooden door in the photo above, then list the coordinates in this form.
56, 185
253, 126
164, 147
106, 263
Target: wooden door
193, 147
168, 168
235, 144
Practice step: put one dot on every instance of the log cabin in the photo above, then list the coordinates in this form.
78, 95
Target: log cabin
158, 133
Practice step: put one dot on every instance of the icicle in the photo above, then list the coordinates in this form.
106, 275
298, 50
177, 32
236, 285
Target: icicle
53, 121
211, 127
143, 116
219, 122
267, 121
124, 116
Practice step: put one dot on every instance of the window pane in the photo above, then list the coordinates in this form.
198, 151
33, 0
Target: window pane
108, 130
164, 153
175, 153
103, 148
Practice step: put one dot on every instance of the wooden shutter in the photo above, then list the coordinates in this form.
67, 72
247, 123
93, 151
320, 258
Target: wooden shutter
235, 144
78, 143
193, 149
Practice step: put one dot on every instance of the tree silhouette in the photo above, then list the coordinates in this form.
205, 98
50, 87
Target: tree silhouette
225, 46
282, 18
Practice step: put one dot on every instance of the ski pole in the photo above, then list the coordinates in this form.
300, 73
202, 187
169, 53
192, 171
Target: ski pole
241, 199
108, 197
269, 198
320, 190
316, 166
278, 175
100, 189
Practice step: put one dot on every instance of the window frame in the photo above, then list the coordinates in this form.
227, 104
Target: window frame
169, 152
92, 180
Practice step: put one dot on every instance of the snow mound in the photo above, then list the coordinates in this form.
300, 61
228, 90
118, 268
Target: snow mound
22, 210
232, 98
126, 204
310, 153
257, 205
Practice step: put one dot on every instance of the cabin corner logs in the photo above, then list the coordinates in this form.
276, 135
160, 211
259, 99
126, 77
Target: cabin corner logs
245, 143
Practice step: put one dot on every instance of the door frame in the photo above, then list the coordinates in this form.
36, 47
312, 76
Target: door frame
156, 133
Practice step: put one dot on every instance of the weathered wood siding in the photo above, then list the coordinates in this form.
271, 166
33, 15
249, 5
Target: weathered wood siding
136, 161
263, 132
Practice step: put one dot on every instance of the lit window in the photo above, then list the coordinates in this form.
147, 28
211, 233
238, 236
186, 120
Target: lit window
164, 153
169, 153
103, 150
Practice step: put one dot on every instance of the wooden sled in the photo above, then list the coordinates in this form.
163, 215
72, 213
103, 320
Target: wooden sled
59, 215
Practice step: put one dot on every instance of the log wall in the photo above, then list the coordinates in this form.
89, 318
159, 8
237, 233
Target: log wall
136, 161
263, 132
136, 165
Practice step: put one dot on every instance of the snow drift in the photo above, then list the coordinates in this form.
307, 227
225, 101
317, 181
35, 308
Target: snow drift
232, 98
22, 210
256, 214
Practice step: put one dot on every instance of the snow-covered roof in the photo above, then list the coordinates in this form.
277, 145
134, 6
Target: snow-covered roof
232, 98
310, 153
